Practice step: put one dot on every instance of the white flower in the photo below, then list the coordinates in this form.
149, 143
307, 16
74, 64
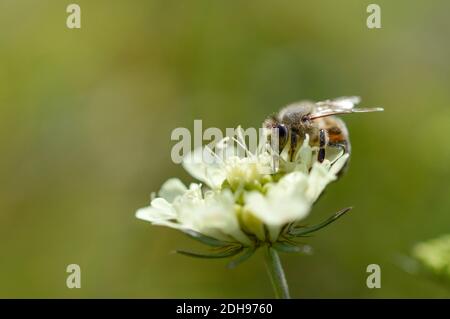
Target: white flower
243, 200
212, 213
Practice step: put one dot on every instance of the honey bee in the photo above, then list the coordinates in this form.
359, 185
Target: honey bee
318, 120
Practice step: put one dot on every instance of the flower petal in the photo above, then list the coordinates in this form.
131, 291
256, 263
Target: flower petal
202, 165
214, 216
150, 214
284, 203
171, 189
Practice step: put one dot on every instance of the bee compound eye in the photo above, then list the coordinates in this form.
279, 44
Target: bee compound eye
282, 130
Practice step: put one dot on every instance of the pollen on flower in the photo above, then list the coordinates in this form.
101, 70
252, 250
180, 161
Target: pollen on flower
243, 173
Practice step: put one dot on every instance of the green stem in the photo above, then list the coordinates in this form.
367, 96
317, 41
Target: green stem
276, 274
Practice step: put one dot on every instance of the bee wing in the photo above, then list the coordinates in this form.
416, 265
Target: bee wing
342, 105
345, 103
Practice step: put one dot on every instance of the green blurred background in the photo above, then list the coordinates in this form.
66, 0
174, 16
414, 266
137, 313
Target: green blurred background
86, 117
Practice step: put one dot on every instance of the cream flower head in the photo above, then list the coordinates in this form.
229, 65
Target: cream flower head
241, 203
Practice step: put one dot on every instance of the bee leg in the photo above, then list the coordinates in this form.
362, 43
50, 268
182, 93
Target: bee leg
322, 144
294, 141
